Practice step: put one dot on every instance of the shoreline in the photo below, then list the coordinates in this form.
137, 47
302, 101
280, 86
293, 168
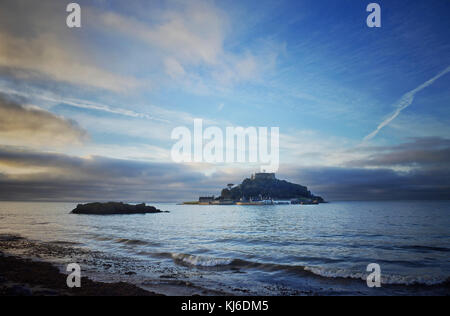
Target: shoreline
25, 277
35, 268
25, 272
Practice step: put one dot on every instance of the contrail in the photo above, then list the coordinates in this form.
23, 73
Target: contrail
404, 102
105, 108
85, 105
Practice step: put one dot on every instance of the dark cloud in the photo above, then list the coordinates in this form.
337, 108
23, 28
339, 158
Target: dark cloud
374, 184
49, 176
417, 169
428, 152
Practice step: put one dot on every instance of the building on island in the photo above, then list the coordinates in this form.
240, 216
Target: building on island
206, 199
263, 176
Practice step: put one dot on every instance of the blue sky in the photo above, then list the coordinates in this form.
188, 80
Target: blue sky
134, 71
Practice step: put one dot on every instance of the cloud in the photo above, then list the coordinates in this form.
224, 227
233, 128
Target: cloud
50, 176
158, 113
405, 101
194, 33
36, 44
181, 44
335, 183
416, 169
173, 68
33, 127
425, 152
151, 125
47, 56
313, 148
189, 40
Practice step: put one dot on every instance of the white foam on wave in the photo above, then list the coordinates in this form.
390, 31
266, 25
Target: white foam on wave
201, 261
385, 279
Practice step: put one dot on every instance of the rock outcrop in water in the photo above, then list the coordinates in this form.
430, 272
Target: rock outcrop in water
113, 208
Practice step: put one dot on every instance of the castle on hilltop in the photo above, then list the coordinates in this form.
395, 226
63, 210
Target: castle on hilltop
263, 176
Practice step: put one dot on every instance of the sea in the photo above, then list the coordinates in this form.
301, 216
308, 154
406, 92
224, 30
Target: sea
246, 250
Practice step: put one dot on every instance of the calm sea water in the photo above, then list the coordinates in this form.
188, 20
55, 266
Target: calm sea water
283, 249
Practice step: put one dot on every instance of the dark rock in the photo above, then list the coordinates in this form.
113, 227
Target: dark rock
113, 208
18, 290
10, 238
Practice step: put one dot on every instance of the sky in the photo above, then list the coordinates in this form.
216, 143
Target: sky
87, 113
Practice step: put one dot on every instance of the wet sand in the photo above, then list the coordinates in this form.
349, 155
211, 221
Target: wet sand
24, 277
20, 276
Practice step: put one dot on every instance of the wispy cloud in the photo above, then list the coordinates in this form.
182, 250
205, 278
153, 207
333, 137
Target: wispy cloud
189, 43
405, 101
198, 28
158, 119
84, 104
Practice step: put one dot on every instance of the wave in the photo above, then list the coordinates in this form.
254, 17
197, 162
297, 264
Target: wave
201, 261
65, 243
426, 248
385, 279
299, 270
135, 242
124, 241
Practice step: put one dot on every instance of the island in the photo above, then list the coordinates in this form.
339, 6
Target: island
262, 189
114, 208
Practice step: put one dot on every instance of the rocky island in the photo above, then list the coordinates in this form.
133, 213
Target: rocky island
114, 208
